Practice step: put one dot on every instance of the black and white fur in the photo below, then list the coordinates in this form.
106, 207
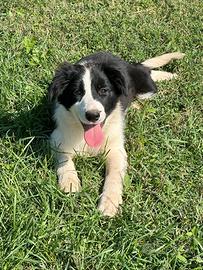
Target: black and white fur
98, 89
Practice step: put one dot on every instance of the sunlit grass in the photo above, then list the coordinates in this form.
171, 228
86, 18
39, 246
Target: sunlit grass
161, 222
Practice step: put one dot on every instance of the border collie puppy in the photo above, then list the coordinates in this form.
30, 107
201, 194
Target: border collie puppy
91, 98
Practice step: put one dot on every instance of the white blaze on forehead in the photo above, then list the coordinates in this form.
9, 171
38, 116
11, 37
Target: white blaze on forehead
87, 83
88, 101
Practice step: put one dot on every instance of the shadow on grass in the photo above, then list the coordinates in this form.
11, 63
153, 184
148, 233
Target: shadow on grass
34, 125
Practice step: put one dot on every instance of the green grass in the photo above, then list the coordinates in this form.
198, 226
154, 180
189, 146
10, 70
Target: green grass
161, 222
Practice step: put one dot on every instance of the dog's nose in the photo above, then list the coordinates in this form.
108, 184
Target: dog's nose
92, 115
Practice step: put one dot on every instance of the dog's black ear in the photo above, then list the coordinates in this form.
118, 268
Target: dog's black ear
63, 76
143, 85
117, 77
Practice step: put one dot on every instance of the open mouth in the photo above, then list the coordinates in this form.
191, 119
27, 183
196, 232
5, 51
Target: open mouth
93, 134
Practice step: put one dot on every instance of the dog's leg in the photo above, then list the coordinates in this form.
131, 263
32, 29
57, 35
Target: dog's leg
67, 174
162, 60
111, 196
157, 75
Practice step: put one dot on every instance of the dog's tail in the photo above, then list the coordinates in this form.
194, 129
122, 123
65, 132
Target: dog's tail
160, 61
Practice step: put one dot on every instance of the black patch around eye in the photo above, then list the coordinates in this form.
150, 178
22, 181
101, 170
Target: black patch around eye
73, 93
78, 90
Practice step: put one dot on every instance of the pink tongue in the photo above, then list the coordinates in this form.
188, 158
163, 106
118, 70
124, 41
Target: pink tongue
93, 135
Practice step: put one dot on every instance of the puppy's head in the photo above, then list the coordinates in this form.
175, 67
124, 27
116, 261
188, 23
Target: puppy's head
90, 92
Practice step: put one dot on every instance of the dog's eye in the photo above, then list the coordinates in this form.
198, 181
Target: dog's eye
78, 92
103, 91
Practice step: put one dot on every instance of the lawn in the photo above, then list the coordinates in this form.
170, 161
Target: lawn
161, 225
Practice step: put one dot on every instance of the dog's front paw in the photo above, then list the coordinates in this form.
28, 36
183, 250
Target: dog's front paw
69, 183
109, 204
